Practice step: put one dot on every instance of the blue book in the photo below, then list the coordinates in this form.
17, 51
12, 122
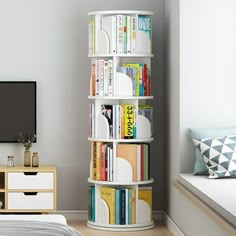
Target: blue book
122, 206
93, 203
130, 207
117, 210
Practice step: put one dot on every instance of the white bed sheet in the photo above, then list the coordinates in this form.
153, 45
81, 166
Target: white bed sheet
54, 218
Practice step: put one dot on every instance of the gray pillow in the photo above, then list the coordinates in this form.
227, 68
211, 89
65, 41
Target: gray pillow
200, 167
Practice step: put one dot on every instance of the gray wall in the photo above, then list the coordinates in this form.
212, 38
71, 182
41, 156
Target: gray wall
46, 41
200, 72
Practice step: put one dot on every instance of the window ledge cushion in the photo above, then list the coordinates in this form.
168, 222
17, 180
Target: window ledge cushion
219, 194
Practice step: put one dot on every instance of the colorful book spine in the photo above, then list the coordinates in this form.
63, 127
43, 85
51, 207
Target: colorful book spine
129, 121
119, 33
117, 206
93, 203
94, 160
133, 34
145, 25
122, 206
128, 34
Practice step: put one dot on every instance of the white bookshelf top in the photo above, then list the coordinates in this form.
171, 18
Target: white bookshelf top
121, 55
128, 12
120, 183
120, 97
140, 140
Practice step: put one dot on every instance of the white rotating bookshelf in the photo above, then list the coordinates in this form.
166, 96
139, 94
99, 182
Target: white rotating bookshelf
120, 120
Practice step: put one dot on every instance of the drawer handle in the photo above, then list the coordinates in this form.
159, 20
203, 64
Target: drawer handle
30, 193
30, 173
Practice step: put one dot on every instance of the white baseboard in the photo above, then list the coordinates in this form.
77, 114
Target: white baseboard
170, 224
72, 215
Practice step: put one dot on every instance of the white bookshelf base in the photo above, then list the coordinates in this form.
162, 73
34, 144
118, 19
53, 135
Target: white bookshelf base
113, 227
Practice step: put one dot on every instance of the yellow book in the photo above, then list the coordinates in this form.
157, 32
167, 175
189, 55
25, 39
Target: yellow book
133, 203
108, 195
99, 160
145, 194
94, 160
129, 121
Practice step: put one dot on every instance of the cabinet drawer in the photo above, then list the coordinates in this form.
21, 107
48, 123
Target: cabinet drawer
30, 180
32, 201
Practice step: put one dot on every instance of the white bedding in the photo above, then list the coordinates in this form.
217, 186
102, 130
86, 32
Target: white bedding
36, 228
45, 218
35, 225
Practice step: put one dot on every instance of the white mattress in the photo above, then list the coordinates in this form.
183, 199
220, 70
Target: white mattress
219, 194
54, 218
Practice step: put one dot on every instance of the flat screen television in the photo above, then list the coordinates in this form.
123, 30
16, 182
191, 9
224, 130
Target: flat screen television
17, 110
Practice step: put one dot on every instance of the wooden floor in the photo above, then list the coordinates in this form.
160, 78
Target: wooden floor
159, 230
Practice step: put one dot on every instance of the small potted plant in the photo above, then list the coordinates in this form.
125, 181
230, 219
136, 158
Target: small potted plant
26, 141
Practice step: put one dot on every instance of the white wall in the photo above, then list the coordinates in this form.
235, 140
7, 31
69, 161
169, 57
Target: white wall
200, 80
46, 41
207, 68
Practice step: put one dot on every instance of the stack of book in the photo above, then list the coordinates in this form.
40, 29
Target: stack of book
122, 32
104, 160
121, 202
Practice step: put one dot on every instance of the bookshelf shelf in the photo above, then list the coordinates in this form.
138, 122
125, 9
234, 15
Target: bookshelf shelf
128, 12
121, 55
147, 140
120, 120
117, 98
120, 183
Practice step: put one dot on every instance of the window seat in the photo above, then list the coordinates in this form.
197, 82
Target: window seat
219, 194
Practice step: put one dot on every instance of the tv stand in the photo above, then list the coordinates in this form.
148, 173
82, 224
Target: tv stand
27, 189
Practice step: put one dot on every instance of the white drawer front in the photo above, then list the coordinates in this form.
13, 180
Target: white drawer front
39, 201
21, 180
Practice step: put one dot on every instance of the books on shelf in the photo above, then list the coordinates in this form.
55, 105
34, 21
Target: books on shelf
105, 158
145, 194
121, 33
101, 78
122, 204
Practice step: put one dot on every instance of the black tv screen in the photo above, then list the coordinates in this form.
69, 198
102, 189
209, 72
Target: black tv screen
17, 110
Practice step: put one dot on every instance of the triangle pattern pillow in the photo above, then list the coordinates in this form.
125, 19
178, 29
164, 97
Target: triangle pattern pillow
219, 155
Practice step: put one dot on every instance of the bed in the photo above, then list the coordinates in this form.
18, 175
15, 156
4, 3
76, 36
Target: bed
34, 225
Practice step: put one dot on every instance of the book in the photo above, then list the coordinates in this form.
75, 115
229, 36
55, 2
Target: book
129, 121
122, 206
145, 194
117, 220
138, 76
107, 111
109, 196
133, 207
128, 152
144, 26
94, 160
119, 33
93, 80
133, 34
99, 160
92, 191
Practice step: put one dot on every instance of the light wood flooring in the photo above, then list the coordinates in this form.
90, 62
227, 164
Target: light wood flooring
159, 230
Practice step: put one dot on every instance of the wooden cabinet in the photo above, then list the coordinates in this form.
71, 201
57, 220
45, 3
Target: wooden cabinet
28, 189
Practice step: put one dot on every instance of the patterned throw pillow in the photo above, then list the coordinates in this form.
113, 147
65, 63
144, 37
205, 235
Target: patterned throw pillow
219, 155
